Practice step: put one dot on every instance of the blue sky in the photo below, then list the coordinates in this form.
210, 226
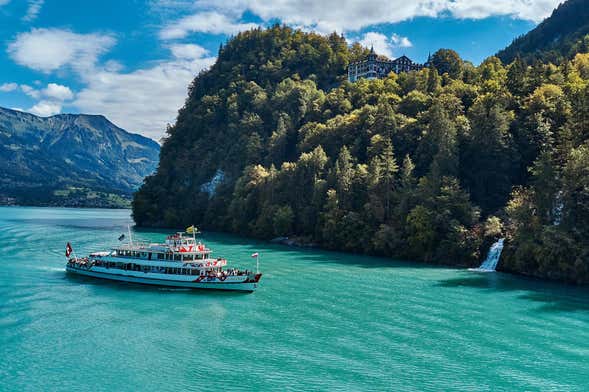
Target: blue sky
132, 60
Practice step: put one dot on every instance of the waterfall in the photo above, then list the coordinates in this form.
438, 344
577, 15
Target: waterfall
492, 259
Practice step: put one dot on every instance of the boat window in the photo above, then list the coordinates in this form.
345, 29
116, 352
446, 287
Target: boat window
160, 256
178, 257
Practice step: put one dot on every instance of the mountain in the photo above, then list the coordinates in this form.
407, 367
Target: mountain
558, 37
70, 159
273, 141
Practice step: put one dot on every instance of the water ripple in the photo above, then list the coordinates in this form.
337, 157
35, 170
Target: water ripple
320, 321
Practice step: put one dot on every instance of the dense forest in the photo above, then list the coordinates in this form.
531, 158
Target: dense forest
557, 39
432, 165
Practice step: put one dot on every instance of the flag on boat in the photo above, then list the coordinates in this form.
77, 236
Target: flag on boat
254, 255
68, 250
191, 229
121, 237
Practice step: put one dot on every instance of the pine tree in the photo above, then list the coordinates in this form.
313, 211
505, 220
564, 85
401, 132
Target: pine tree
433, 80
344, 173
383, 168
516, 77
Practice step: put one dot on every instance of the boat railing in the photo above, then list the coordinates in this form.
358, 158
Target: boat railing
136, 245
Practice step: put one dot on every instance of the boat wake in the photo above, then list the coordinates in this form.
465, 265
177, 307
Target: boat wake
53, 269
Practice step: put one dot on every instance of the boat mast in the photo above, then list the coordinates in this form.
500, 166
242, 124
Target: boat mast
74, 252
130, 237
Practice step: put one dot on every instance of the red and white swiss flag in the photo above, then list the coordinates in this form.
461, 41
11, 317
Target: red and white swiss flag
68, 250
254, 255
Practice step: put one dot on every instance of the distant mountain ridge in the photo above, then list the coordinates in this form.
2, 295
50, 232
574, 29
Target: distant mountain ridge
557, 38
43, 157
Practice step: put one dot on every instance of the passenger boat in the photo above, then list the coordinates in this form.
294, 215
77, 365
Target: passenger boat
180, 261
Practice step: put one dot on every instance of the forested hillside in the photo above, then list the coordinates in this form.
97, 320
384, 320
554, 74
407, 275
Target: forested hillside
272, 141
558, 38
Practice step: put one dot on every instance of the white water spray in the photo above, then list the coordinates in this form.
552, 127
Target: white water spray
490, 263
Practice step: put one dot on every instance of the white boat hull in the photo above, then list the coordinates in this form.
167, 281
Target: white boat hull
187, 282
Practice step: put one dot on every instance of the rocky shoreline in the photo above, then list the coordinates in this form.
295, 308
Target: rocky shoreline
296, 242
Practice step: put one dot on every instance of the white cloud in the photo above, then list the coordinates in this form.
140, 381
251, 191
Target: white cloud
51, 98
113, 66
204, 22
53, 91
47, 50
144, 100
58, 92
33, 10
30, 91
45, 108
400, 42
382, 44
379, 42
353, 15
187, 51
7, 87
534, 10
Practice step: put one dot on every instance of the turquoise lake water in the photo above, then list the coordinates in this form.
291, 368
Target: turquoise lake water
319, 321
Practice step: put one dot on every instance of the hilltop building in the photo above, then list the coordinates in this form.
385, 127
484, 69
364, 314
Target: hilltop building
376, 68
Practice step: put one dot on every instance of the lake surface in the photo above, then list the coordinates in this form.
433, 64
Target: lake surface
319, 321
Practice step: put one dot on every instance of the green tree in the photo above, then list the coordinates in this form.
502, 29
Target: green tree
283, 221
487, 159
344, 173
447, 61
